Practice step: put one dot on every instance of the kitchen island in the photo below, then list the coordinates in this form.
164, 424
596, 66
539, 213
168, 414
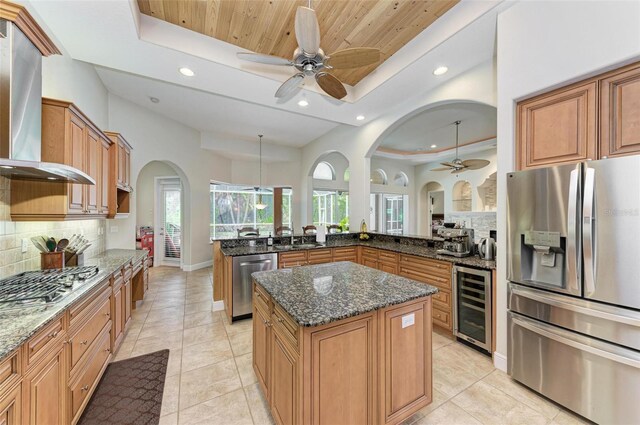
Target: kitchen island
341, 343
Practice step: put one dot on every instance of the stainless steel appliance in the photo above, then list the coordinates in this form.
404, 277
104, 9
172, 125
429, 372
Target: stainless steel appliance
38, 288
472, 306
243, 267
457, 242
574, 296
487, 249
21, 110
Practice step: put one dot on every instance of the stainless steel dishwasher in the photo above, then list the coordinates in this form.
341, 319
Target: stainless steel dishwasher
243, 266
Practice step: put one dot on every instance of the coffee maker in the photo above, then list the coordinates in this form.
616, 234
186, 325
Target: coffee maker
457, 242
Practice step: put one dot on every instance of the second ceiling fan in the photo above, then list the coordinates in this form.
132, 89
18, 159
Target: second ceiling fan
457, 165
310, 61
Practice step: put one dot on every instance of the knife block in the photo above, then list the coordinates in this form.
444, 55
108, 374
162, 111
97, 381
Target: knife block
52, 260
73, 260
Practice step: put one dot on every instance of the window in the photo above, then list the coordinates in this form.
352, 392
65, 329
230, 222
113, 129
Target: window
378, 177
324, 171
386, 213
331, 207
462, 196
233, 207
401, 179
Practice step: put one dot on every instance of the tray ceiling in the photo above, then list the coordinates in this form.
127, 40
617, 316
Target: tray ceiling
267, 26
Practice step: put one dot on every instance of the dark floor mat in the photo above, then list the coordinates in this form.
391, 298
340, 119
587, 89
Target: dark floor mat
130, 392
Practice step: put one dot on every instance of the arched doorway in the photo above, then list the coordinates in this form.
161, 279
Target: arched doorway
432, 203
329, 189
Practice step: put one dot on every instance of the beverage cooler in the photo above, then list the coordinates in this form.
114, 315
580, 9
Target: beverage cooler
472, 306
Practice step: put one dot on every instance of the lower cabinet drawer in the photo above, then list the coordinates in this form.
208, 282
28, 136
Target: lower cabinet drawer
82, 340
442, 299
88, 378
442, 318
38, 345
10, 371
319, 256
284, 322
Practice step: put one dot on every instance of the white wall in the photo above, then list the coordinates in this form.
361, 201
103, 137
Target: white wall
145, 190
543, 45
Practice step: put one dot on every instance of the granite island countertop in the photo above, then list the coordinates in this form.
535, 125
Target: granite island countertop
321, 294
18, 324
400, 248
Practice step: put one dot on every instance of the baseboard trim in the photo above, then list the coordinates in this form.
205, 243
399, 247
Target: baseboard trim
217, 306
197, 266
500, 361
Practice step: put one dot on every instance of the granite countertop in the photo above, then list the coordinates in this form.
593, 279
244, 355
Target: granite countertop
18, 324
419, 251
320, 294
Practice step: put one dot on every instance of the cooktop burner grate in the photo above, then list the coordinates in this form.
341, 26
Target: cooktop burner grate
42, 285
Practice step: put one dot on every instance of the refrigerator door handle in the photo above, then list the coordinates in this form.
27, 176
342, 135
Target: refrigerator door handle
588, 237
554, 334
572, 232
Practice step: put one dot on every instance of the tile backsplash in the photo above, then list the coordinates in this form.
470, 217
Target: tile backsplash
13, 260
480, 222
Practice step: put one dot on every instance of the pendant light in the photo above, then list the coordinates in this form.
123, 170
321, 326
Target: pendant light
260, 205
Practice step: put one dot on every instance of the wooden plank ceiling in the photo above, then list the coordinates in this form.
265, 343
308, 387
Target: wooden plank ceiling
266, 26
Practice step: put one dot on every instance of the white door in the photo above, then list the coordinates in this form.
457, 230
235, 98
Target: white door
169, 222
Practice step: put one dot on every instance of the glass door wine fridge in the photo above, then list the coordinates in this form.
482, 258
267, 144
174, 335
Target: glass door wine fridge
472, 306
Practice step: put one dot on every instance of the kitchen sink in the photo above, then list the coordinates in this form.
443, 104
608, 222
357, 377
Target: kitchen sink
298, 246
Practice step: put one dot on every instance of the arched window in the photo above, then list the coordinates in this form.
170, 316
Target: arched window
401, 179
378, 177
324, 171
347, 175
462, 196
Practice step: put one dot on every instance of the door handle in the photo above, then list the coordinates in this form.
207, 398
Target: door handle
588, 237
572, 231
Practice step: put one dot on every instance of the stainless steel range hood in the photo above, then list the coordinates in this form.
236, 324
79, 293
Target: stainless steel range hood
21, 112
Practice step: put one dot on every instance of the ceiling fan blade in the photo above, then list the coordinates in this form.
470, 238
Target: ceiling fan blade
449, 164
307, 31
290, 86
442, 169
475, 164
459, 170
331, 85
354, 57
266, 59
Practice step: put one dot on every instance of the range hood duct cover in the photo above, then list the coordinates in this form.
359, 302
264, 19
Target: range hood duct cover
21, 112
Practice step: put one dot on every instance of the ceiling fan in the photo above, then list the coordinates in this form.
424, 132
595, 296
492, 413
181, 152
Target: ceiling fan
457, 165
311, 61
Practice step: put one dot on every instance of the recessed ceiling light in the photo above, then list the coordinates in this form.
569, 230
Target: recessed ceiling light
51, 178
6, 167
434, 146
303, 103
187, 72
154, 99
360, 117
440, 70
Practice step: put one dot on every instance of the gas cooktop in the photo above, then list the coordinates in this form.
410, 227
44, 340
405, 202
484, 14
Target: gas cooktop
41, 287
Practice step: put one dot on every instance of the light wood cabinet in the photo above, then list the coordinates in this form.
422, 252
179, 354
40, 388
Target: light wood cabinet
287, 260
593, 119
558, 127
11, 407
70, 138
227, 285
103, 208
319, 256
120, 177
261, 348
283, 369
346, 254
620, 112
44, 389
118, 316
128, 302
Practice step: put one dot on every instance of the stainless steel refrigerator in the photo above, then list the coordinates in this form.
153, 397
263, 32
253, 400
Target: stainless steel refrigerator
574, 292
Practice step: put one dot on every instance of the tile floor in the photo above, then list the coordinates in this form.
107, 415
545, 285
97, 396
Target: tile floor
210, 379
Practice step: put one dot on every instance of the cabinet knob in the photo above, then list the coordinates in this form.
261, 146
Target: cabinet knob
53, 334
108, 350
107, 314
280, 319
85, 388
84, 342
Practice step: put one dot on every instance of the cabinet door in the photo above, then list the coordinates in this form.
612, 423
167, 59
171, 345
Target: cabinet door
127, 302
284, 381
77, 155
121, 167
127, 167
104, 180
261, 348
228, 282
620, 113
370, 262
118, 319
93, 150
11, 408
558, 127
388, 267
44, 391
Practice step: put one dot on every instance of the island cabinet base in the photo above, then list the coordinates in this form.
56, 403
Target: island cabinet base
374, 368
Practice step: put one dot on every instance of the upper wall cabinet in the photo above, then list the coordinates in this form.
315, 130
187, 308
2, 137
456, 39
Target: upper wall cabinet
620, 112
68, 137
120, 187
561, 126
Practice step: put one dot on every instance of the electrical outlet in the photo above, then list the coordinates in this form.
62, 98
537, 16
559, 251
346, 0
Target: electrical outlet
25, 245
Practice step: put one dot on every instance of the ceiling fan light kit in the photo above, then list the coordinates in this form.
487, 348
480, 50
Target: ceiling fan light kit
311, 61
458, 166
